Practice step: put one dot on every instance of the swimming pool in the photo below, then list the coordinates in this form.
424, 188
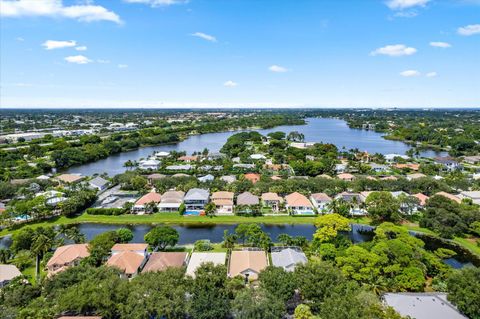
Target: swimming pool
193, 213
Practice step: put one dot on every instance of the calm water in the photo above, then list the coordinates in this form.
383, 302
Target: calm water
317, 130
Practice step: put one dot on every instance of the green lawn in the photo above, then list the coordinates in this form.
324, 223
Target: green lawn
467, 244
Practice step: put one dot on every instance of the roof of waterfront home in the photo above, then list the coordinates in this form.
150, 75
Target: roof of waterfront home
98, 181
345, 176
349, 196
321, 197
159, 261
8, 272
197, 259
222, 195
271, 197
449, 196
68, 253
252, 177
245, 260
296, 199
129, 247
288, 257
416, 175
247, 198
197, 194
127, 261
172, 197
422, 305
69, 178
422, 198
149, 198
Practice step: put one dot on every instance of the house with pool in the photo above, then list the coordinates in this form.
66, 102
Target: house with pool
195, 201
298, 204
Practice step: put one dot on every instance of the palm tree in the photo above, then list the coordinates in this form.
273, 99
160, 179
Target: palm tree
5, 255
41, 244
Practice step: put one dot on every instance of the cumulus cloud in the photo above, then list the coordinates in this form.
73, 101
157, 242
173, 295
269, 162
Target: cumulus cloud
204, 36
53, 44
394, 50
230, 84
278, 69
440, 44
469, 30
56, 8
81, 48
122, 66
157, 3
405, 4
78, 59
431, 74
410, 73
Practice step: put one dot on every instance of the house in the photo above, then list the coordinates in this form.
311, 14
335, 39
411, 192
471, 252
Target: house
448, 163
474, 196
8, 273
378, 168
252, 177
449, 196
223, 202
152, 178
248, 199
142, 203
160, 261
321, 202
422, 305
196, 199
422, 198
128, 262
288, 258
257, 157
298, 204
228, 178
139, 249
99, 183
197, 259
185, 167
69, 178
272, 200
391, 158
242, 165
181, 175
356, 200
149, 164
472, 159
188, 159
323, 176
414, 176
171, 201
52, 197
340, 168
66, 256
346, 177
410, 166
162, 154
247, 263
206, 178
389, 178
215, 155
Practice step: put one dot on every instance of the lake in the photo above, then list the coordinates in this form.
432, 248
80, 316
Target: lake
325, 130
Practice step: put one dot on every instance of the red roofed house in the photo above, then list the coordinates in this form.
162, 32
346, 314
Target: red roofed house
129, 258
346, 177
141, 205
298, 204
66, 256
252, 177
422, 198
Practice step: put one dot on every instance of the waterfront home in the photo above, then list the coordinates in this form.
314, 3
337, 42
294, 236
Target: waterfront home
129, 262
185, 167
252, 177
298, 204
160, 261
421, 198
149, 164
247, 198
180, 175
162, 154
340, 168
355, 200
247, 263
422, 305
8, 273
223, 202
98, 183
197, 259
448, 163
346, 177
272, 200
378, 168
206, 178
69, 178
321, 202
472, 159
152, 178
474, 196
137, 248
244, 165
449, 196
66, 256
52, 197
414, 176
171, 201
215, 155
410, 166
196, 199
228, 178
141, 205
188, 159
288, 257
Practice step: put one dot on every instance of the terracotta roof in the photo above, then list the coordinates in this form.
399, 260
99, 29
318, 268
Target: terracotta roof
127, 261
188, 158
389, 178
414, 167
148, 198
321, 197
129, 247
296, 199
345, 176
276, 178
423, 198
69, 178
272, 197
253, 177
222, 195
241, 261
159, 261
324, 176
68, 253
449, 196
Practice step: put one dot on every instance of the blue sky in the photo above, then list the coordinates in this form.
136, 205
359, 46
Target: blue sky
240, 53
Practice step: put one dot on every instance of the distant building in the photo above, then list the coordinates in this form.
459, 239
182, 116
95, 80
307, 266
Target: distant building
252, 177
346, 177
449, 196
415, 176
228, 178
8, 273
272, 200
321, 202
171, 201
247, 263
99, 183
149, 164
223, 202
448, 163
206, 178
474, 196
69, 178
472, 159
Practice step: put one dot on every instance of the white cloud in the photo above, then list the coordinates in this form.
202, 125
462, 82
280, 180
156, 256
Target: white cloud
53, 44
406, 14
78, 59
440, 44
431, 74
157, 3
230, 84
55, 8
405, 4
81, 48
469, 29
103, 61
122, 66
410, 73
204, 36
278, 69
394, 50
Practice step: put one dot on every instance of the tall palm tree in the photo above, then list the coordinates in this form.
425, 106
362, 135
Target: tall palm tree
41, 244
